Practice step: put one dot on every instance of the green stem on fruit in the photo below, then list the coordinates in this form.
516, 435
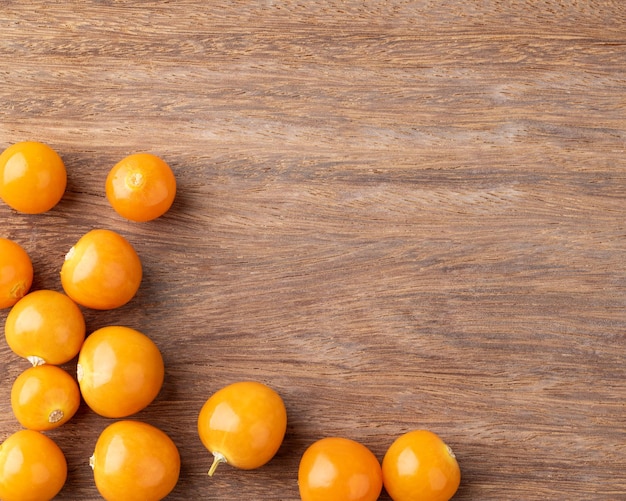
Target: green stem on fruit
217, 459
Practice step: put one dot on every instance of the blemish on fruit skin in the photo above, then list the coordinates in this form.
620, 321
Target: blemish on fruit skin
18, 290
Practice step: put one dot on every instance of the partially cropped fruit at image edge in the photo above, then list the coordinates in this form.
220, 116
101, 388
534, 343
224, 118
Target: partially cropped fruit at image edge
32, 177
420, 465
102, 270
32, 467
339, 469
16, 272
135, 461
243, 425
120, 371
141, 187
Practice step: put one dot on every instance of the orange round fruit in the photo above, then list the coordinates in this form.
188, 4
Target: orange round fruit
44, 397
32, 177
16, 272
135, 461
339, 469
120, 371
419, 465
45, 326
32, 467
141, 187
243, 424
102, 270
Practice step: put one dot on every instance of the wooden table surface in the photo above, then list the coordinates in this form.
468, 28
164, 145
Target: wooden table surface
398, 214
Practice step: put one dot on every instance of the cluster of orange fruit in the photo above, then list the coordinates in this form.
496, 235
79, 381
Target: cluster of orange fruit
120, 370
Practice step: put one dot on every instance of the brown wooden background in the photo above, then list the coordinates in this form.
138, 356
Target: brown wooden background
398, 214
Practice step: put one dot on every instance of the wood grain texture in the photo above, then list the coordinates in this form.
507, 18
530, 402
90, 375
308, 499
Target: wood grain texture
399, 214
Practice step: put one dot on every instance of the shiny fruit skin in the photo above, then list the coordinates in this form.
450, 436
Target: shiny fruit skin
101, 271
141, 187
120, 371
339, 469
420, 466
16, 272
44, 397
243, 424
135, 461
32, 467
30, 168
45, 326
